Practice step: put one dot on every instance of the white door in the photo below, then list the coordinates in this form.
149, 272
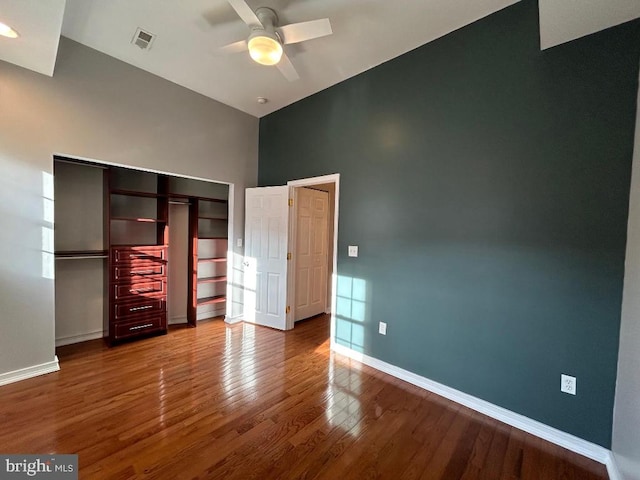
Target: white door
265, 262
311, 262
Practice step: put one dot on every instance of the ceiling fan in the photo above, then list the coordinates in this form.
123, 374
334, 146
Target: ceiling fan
267, 38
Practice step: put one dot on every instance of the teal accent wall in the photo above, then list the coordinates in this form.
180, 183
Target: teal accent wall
486, 183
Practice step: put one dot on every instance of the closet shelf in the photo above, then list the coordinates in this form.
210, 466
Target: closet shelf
221, 278
135, 193
137, 245
142, 220
214, 259
80, 254
214, 200
205, 237
196, 197
211, 300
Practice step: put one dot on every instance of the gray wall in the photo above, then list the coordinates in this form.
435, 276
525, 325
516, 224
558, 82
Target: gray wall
487, 185
99, 108
626, 421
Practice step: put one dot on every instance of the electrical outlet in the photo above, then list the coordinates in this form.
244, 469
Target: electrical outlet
568, 384
239, 242
382, 328
353, 250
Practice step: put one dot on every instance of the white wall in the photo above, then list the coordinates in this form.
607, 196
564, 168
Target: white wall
94, 107
626, 421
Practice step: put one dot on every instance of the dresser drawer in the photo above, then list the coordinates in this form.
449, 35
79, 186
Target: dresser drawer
137, 309
134, 273
123, 330
139, 255
140, 289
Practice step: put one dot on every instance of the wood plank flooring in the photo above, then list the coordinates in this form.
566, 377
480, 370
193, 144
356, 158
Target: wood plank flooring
244, 402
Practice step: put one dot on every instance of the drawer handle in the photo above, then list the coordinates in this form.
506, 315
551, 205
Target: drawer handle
142, 272
141, 326
135, 309
141, 290
140, 255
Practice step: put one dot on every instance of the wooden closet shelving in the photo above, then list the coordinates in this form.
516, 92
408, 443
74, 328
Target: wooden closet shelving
212, 300
80, 254
221, 278
208, 219
133, 237
134, 193
136, 210
138, 219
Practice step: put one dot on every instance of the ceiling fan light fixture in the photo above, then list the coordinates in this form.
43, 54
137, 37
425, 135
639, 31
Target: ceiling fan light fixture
265, 48
7, 31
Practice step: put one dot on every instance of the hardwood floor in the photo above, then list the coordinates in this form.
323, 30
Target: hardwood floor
243, 402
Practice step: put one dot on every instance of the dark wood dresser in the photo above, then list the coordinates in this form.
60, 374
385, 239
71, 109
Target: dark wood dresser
137, 291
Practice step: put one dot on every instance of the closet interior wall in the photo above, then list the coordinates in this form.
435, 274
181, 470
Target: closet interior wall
178, 299
80, 252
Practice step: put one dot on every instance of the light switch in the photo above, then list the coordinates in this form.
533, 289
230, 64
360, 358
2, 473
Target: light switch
353, 250
239, 242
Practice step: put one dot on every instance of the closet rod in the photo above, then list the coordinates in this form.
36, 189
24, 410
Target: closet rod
173, 202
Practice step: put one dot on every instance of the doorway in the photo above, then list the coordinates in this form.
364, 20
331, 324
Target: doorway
330, 185
270, 233
312, 249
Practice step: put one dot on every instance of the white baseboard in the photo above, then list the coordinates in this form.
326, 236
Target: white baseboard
612, 467
231, 320
28, 372
553, 435
199, 316
177, 320
210, 314
83, 337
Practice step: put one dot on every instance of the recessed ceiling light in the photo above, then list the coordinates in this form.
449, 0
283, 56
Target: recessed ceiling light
262, 100
7, 31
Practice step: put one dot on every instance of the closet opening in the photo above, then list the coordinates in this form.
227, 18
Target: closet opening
136, 250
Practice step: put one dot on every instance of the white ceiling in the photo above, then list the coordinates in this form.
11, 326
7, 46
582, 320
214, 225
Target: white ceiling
189, 33
38, 24
566, 20
366, 33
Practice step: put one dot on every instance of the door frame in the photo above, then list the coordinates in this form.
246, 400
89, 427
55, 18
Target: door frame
291, 287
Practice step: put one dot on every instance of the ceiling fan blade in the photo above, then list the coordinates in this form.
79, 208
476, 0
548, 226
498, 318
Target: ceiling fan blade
299, 32
244, 11
287, 69
235, 47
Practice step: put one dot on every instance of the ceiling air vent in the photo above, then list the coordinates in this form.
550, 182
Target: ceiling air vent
143, 39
